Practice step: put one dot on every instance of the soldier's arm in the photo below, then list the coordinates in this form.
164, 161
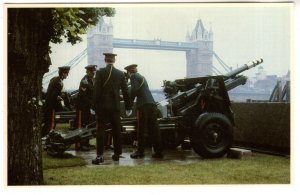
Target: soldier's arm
125, 93
84, 83
80, 96
134, 80
96, 90
55, 93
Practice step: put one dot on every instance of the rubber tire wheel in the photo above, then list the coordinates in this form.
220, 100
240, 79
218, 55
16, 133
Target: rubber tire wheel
212, 135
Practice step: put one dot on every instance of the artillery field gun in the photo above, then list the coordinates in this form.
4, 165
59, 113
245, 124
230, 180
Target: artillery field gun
198, 109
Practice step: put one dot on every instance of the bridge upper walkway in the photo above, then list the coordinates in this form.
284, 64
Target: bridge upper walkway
153, 44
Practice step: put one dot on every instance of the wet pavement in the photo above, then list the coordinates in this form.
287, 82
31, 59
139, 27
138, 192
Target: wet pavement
177, 155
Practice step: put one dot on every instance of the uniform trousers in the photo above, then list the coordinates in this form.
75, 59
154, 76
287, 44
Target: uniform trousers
103, 118
49, 121
83, 117
147, 120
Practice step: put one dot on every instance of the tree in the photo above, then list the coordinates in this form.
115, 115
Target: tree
30, 31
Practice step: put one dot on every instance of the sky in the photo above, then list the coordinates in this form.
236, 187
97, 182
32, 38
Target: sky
242, 33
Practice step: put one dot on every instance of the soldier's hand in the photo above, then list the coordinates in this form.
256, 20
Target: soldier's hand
92, 112
59, 98
128, 112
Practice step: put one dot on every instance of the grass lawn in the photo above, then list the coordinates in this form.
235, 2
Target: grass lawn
256, 169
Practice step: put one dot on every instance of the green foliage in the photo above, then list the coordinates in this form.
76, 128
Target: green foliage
73, 22
257, 169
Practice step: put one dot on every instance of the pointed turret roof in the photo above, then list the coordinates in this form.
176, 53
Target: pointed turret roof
199, 32
199, 29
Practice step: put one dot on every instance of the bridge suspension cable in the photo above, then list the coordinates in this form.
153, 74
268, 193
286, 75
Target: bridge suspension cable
225, 66
73, 63
216, 71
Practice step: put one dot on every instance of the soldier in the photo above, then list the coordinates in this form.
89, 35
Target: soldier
108, 83
146, 113
84, 104
54, 100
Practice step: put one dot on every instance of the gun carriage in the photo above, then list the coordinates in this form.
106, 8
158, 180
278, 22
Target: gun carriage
197, 109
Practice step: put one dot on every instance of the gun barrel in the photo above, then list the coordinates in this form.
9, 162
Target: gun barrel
247, 66
233, 83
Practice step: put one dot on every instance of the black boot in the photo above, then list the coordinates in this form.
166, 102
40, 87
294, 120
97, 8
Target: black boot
115, 157
98, 160
137, 154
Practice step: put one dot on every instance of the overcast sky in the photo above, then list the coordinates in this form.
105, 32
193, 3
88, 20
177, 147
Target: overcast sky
242, 32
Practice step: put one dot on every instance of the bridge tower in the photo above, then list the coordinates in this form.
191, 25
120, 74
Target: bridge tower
99, 41
199, 61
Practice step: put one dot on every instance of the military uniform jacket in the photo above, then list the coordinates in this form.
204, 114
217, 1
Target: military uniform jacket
54, 90
107, 97
85, 94
140, 90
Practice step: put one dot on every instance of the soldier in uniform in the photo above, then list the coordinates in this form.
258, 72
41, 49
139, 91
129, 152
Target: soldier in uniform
53, 101
108, 83
146, 113
84, 104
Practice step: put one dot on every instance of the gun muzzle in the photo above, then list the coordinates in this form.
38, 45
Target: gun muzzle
241, 69
254, 63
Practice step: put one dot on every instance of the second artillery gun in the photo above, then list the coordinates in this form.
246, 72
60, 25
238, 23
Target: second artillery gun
198, 109
201, 111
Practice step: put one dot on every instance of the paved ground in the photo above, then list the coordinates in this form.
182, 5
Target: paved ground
171, 156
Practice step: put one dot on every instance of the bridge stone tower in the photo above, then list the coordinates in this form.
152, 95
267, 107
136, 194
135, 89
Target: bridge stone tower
199, 61
99, 41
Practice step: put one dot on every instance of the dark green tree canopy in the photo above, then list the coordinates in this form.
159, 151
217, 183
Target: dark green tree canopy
70, 23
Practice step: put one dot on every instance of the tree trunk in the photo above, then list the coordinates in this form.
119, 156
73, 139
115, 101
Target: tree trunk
29, 33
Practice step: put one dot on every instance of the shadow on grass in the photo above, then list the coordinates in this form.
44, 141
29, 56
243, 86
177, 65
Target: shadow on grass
61, 161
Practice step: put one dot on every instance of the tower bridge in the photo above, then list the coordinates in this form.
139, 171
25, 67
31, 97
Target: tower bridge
198, 47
